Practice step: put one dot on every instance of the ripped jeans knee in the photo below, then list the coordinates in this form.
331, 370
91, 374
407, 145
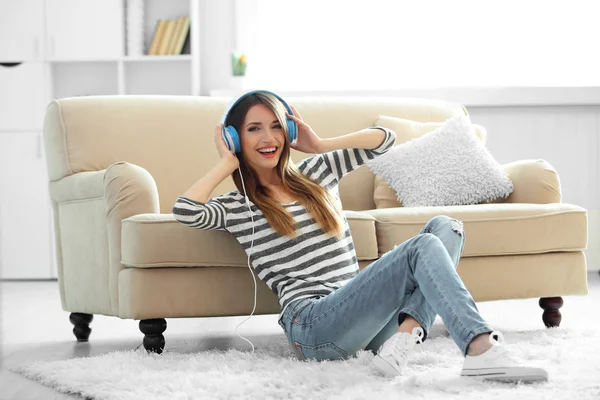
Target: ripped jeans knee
440, 220
457, 226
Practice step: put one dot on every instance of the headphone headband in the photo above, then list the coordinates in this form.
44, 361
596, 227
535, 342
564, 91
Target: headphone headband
235, 101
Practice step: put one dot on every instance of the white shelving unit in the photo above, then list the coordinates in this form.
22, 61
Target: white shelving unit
112, 71
66, 48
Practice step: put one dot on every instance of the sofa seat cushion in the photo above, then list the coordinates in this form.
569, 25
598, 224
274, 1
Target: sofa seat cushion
158, 240
492, 229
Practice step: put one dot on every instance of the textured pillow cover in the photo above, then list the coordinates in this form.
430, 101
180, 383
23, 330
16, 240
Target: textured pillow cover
406, 129
447, 166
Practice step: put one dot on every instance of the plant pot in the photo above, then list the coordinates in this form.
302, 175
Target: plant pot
238, 82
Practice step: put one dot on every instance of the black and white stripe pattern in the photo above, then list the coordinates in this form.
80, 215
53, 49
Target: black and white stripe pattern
311, 265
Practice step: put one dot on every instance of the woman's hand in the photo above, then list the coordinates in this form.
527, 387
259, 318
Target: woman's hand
307, 141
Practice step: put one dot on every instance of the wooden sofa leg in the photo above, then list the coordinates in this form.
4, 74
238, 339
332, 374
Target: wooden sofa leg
552, 315
152, 329
82, 328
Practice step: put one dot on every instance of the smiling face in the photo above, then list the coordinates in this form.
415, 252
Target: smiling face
261, 130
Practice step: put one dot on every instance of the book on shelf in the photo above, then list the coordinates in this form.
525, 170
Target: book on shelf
164, 41
170, 36
182, 36
174, 36
159, 29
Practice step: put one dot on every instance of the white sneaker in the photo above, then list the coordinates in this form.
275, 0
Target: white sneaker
496, 364
392, 356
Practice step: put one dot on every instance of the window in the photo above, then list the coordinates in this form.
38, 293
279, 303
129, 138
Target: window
384, 44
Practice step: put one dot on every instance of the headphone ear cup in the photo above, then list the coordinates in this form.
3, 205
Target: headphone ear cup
292, 129
232, 139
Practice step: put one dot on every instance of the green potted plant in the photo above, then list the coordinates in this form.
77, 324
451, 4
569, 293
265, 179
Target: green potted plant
238, 64
238, 69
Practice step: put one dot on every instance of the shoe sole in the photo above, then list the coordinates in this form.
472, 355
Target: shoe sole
384, 367
508, 375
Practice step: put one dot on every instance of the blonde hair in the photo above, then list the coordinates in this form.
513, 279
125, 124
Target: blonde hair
315, 198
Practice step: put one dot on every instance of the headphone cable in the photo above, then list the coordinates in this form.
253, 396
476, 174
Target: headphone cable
252, 244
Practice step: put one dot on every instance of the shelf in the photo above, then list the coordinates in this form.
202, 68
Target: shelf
144, 58
182, 57
86, 60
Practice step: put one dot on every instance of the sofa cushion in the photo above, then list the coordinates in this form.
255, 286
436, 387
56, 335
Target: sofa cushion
158, 240
493, 229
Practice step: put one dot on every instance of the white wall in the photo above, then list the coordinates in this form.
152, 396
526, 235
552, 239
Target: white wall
216, 42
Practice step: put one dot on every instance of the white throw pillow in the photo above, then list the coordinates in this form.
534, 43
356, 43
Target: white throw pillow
448, 166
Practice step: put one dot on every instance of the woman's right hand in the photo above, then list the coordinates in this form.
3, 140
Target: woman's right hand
224, 152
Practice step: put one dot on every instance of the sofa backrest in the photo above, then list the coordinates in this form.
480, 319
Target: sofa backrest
173, 136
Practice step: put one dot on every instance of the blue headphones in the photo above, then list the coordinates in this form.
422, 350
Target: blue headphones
231, 136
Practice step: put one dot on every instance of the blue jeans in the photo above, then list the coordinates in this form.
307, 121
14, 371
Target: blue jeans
416, 278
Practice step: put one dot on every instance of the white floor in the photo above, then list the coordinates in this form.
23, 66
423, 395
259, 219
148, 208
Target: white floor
34, 327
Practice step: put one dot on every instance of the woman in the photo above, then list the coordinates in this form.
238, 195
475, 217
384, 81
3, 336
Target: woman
302, 248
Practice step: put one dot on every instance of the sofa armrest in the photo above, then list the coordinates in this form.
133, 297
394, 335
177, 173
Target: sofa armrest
83, 187
120, 182
80, 186
89, 206
535, 181
128, 190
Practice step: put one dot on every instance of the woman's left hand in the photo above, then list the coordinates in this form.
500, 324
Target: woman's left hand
307, 141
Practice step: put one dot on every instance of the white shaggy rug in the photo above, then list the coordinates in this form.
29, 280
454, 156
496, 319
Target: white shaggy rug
570, 356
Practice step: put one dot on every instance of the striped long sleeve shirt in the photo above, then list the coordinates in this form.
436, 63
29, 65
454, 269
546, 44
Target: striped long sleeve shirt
312, 264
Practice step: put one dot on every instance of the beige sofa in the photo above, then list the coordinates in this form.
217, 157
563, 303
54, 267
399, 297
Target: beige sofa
116, 165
